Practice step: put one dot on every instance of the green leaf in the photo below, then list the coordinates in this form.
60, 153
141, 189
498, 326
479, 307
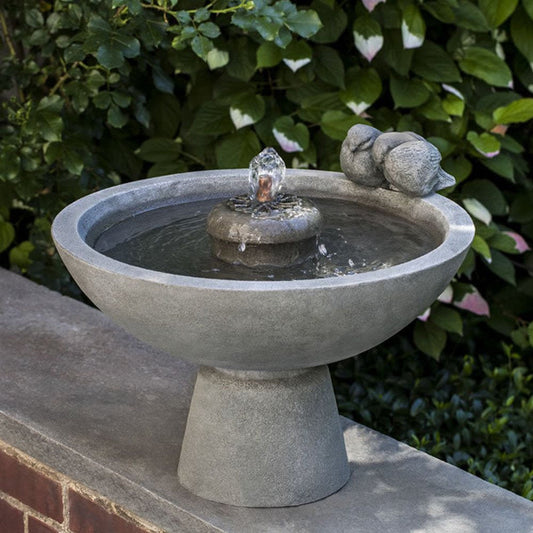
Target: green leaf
217, 58
211, 119
488, 194
487, 66
470, 17
158, 150
53, 104
48, 121
74, 53
110, 56
448, 319
367, 36
209, 29
297, 55
102, 100
417, 407
303, 22
162, 81
121, 99
481, 247
33, 17
334, 22
441, 9
502, 267
20, 255
521, 211
486, 144
237, 150
497, 11
290, 136
459, 167
242, 54
429, 339
246, 110
517, 111
335, 124
432, 109
413, 27
116, 117
167, 167
528, 6
521, 31
7, 234
502, 165
362, 92
408, 93
130, 46
73, 162
201, 46
329, 66
432, 63
453, 105
477, 210
268, 55
504, 243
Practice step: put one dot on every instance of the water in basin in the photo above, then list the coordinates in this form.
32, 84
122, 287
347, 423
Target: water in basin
354, 239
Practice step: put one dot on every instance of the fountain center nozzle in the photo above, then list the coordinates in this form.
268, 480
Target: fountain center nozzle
264, 227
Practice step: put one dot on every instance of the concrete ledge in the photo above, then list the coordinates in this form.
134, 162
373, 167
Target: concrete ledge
86, 399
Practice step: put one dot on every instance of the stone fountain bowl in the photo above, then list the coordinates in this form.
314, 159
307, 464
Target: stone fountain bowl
259, 325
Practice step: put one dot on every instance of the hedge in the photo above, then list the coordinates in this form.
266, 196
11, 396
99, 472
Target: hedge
99, 92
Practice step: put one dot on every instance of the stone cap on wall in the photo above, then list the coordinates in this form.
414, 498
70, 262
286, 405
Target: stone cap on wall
88, 400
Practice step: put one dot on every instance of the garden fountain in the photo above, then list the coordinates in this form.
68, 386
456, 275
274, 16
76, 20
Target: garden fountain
263, 428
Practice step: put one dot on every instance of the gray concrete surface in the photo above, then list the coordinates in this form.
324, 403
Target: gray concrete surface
87, 399
263, 439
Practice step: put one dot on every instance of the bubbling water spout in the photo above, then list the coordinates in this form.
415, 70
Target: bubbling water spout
266, 174
264, 227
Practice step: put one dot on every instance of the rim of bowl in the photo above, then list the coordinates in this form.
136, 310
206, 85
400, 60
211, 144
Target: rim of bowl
65, 232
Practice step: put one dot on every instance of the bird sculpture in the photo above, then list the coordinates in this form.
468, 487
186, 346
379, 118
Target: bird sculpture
410, 164
356, 158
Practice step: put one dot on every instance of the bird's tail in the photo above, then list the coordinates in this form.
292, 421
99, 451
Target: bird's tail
445, 180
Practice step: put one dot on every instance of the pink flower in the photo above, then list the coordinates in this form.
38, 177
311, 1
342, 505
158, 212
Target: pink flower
520, 243
474, 302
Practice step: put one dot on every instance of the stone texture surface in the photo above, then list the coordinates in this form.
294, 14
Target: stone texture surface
274, 325
263, 439
85, 398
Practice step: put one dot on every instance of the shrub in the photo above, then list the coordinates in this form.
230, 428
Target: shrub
105, 91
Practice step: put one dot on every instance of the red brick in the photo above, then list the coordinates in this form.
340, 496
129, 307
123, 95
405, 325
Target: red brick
36, 526
11, 519
87, 516
30, 487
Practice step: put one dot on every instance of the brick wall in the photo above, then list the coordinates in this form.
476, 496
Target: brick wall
36, 499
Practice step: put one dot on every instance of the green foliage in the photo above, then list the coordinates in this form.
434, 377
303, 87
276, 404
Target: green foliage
99, 92
475, 412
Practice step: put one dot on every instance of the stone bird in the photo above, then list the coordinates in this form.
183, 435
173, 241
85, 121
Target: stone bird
410, 164
356, 158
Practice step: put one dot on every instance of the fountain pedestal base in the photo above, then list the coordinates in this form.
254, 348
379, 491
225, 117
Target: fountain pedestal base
263, 439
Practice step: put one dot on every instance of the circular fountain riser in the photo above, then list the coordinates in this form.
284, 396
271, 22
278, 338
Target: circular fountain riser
278, 239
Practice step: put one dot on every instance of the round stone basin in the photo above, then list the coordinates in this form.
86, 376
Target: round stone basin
259, 325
